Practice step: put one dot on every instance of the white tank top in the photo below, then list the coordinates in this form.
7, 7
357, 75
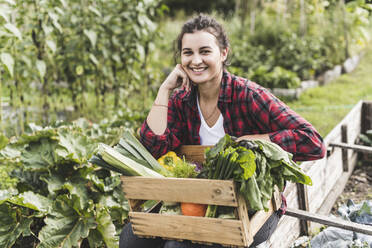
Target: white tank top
210, 135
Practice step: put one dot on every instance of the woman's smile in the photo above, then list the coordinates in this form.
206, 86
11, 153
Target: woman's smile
198, 70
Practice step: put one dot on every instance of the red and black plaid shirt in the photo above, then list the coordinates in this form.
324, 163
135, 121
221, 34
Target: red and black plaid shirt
247, 108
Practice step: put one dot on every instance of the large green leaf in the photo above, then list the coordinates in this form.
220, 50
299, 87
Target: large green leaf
65, 228
6, 194
54, 181
65, 232
12, 226
39, 156
273, 151
74, 145
107, 229
37, 134
246, 161
33, 201
79, 195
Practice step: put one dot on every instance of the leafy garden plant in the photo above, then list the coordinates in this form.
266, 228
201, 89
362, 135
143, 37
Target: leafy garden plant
58, 199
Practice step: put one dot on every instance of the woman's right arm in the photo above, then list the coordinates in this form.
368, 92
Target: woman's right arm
155, 135
157, 118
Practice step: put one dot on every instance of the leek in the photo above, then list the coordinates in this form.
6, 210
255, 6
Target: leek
124, 164
130, 139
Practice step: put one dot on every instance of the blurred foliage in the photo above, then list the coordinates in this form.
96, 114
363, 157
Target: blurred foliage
190, 7
76, 50
333, 32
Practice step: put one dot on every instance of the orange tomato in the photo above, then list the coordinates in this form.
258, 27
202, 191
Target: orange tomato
193, 209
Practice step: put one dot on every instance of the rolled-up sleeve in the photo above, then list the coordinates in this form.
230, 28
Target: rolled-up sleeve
287, 128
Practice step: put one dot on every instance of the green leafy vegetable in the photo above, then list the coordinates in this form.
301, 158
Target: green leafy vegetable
257, 165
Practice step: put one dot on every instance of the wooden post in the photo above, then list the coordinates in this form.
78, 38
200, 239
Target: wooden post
303, 204
345, 159
366, 116
366, 125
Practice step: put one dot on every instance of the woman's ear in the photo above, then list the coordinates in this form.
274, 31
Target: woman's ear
224, 53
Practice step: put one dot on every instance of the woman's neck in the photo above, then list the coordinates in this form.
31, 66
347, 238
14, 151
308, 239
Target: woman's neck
210, 91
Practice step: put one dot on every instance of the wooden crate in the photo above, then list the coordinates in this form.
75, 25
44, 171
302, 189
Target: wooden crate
238, 232
227, 232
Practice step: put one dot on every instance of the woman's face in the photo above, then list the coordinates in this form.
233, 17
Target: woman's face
201, 57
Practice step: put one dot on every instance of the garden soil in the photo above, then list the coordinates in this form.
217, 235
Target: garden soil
359, 186
358, 189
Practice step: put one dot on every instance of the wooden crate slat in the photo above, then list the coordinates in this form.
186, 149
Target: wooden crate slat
244, 217
260, 217
200, 229
216, 192
194, 153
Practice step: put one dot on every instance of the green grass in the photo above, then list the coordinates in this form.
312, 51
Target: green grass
327, 105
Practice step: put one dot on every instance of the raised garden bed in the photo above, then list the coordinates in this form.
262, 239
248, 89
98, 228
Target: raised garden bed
329, 175
348, 66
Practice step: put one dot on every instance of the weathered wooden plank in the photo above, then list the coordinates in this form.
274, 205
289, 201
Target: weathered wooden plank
277, 199
216, 192
287, 231
287, 225
345, 157
331, 167
243, 216
320, 173
366, 116
214, 230
260, 217
358, 148
329, 221
303, 203
334, 193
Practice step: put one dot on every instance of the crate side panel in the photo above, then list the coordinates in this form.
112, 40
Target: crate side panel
200, 229
217, 192
287, 231
287, 225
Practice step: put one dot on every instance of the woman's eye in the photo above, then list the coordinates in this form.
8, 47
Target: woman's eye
205, 51
187, 52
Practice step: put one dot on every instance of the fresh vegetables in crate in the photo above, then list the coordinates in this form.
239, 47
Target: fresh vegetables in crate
256, 165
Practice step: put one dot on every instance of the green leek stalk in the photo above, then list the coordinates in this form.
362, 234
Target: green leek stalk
131, 140
126, 165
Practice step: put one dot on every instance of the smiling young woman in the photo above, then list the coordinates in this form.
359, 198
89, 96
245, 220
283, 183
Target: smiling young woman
200, 101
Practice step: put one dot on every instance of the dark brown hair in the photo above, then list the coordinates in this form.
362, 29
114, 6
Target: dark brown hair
205, 23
